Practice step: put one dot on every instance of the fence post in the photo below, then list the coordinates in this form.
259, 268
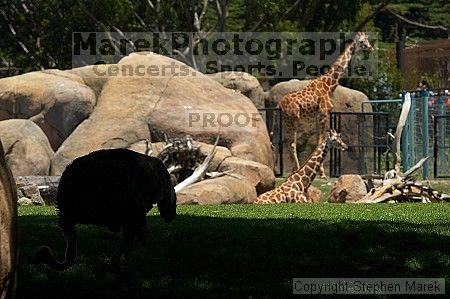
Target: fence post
407, 137
441, 137
425, 130
404, 138
412, 134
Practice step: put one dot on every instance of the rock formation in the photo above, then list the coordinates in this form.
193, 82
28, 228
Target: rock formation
245, 83
176, 101
8, 230
28, 151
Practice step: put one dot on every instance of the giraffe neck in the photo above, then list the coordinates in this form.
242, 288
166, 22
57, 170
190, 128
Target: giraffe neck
337, 70
306, 174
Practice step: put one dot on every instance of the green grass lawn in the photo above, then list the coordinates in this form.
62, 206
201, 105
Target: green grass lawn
243, 250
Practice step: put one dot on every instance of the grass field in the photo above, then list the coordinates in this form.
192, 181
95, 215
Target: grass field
237, 251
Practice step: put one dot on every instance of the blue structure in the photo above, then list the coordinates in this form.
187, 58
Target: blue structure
426, 132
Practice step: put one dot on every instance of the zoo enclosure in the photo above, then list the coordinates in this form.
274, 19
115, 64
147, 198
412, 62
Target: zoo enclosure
441, 153
426, 133
366, 138
367, 152
274, 118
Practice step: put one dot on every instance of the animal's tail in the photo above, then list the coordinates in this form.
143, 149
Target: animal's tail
271, 134
273, 123
44, 255
168, 204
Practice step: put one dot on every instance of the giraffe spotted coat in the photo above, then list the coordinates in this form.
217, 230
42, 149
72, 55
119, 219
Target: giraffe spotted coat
314, 102
295, 188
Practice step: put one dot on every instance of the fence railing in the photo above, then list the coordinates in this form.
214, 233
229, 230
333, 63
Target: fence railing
365, 134
419, 138
274, 120
426, 133
441, 153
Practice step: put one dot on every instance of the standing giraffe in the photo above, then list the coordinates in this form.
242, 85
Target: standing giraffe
314, 101
295, 187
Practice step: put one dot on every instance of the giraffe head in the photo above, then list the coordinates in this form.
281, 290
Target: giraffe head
362, 43
334, 140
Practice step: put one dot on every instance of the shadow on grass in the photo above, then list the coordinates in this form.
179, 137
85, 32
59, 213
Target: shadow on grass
233, 257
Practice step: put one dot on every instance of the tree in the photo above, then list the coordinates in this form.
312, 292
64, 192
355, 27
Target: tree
38, 34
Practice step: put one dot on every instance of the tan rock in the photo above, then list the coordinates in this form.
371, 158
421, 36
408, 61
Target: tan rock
348, 188
32, 192
221, 154
94, 76
260, 175
243, 82
27, 147
57, 101
221, 190
314, 195
131, 108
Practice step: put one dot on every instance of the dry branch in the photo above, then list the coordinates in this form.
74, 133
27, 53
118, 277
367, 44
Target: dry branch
398, 132
415, 167
414, 23
199, 171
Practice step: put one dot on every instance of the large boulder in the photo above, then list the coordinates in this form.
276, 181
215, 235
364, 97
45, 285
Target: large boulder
221, 190
173, 99
260, 175
93, 76
243, 82
8, 230
344, 100
221, 154
348, 188
27, 147
56, 100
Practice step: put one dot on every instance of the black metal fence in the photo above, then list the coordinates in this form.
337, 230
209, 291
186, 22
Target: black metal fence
366, 134
441, 152
274, 119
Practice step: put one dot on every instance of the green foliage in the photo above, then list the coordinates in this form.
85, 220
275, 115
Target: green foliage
422, 11
38, 34
387, 82
239, 251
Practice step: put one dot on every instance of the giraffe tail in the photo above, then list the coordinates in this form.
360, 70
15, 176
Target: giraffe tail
273, 123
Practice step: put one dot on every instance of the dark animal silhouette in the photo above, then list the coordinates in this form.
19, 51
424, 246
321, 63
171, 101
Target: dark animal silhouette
113, 188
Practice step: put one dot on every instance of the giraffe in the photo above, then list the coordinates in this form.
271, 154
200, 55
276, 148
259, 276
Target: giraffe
314, 101
296, 185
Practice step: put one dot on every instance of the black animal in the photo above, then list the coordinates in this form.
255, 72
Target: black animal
113, 188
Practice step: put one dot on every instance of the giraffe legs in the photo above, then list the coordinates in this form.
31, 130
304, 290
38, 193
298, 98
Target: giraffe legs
322, 132
294, 150
290, 139
301, 198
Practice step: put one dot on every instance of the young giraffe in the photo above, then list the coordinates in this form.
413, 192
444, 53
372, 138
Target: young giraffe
296, 185
314, 101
